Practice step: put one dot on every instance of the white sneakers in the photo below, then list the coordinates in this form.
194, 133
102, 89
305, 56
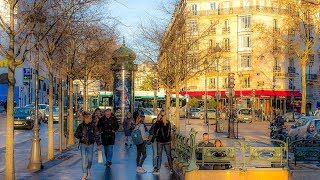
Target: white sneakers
140, 170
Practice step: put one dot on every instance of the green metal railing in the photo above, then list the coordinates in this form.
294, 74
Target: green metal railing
239, 154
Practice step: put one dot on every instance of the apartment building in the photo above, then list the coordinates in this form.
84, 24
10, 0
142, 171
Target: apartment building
267, 76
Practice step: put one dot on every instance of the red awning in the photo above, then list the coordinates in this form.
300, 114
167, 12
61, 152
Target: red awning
258, 93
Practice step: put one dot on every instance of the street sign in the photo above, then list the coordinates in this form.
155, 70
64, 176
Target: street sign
27, 73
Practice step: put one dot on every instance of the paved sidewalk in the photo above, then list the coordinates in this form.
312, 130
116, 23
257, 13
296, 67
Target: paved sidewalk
67, 166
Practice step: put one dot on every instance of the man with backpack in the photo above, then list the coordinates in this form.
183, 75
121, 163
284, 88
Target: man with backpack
139, 138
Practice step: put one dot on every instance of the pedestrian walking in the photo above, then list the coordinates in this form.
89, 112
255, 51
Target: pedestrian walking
138, 112
163, 127
88, 134
96, 116
128, 126
108, 125
154, 143
141, 147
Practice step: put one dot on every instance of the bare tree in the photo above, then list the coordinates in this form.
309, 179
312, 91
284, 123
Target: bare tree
296, 37
184, 51
16, 23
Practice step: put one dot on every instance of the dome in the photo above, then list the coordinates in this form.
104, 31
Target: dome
123, 54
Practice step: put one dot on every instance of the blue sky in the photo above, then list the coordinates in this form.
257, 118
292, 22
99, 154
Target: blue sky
131, 13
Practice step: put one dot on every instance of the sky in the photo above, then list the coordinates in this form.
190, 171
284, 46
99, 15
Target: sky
131, 13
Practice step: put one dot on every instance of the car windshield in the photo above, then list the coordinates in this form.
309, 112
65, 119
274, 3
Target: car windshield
42, 106
245, 111
54, 108
146, 112
22, 111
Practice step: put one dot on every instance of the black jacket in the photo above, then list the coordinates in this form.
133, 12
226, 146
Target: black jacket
88, 134
162, 131
107, 128
136, 114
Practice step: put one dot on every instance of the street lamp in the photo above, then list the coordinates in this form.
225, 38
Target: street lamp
35, 162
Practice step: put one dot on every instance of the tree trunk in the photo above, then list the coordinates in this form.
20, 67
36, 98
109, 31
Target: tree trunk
50, 155
168, 102
85, 104
9, 159
177, 118
70, 117
303, 86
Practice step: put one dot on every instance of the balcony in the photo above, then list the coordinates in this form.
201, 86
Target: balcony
226, 30
291, 70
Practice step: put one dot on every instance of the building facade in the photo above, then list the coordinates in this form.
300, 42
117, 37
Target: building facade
267, 76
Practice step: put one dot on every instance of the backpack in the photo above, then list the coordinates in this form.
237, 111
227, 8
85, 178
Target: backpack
136, 136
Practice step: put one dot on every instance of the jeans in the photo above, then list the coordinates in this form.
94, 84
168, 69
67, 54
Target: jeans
167, 149
141, 150
108, 152
155, 155
86, 156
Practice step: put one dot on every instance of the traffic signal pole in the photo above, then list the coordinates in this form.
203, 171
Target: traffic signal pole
231, 84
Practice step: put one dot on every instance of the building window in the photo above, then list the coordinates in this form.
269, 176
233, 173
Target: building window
214, 5
194, 9
226, 7
226, 28
212, 27
291, 84
212, 83
195, 46
246, 4
245, 41
194, 26
246, 82
246, 61
291, 62
194, 64
245, 22
226, 44
261, 3
226, 64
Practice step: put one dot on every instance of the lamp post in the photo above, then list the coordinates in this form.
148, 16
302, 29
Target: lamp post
35, 162
155, 84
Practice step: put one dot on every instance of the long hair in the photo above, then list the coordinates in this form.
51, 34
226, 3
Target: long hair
164, 120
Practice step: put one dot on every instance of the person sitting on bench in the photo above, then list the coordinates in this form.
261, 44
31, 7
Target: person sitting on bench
205, 143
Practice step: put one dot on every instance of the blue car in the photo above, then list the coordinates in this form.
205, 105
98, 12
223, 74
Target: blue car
23, 118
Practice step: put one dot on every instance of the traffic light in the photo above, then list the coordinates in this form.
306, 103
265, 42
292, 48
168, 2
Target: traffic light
231, 80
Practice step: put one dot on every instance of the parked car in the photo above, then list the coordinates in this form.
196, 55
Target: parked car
211, 114
244, 115
288, 116
55, 114
305, 127
23, 117
149, 116
191, 113
41, 107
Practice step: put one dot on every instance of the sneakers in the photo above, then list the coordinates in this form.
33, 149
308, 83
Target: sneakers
171, 171
156, 171
140, 170
126, 144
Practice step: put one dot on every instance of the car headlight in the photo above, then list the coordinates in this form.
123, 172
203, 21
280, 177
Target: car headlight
28, 118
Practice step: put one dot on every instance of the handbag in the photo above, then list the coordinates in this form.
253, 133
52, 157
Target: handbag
100, 159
